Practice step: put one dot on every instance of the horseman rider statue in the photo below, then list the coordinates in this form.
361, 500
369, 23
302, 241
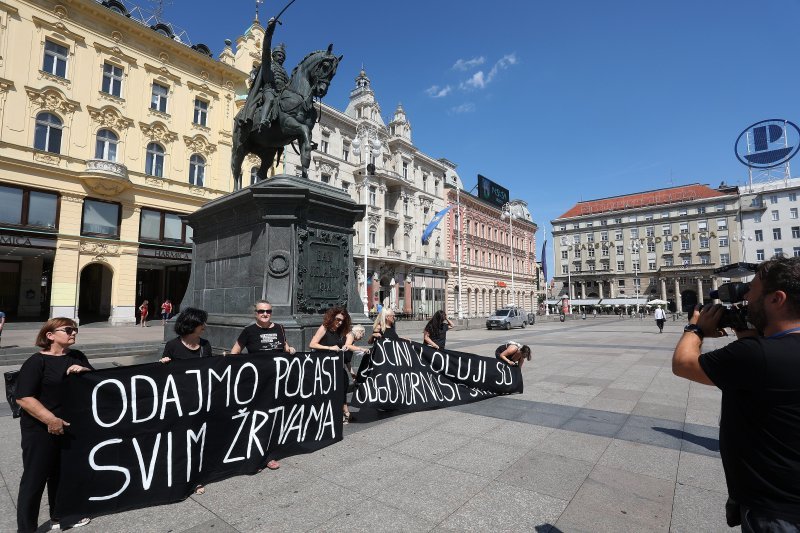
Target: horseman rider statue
270, 79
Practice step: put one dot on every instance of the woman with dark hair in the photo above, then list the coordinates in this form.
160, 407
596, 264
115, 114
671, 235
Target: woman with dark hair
332, 336
189, 326
144, 310
435, 333
513, 353
39, 393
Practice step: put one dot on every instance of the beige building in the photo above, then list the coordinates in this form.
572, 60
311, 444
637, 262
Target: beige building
493, 249
109, 131
656, 244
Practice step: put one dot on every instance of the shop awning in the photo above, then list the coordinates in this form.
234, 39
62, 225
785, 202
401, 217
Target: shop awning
584, 301
624, 301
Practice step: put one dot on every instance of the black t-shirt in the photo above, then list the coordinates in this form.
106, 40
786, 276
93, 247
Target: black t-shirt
175, 349
42, 377
759, 434
441, 336
255, 339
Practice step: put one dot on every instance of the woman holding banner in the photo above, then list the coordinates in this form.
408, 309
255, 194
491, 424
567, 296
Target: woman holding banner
383, 328
435, 333
513, 353
39, 386
189, 325
332, 336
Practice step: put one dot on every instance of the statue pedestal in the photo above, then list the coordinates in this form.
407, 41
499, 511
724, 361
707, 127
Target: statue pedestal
287, 240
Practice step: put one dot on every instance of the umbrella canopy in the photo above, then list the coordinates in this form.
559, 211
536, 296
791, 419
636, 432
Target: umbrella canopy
657, 302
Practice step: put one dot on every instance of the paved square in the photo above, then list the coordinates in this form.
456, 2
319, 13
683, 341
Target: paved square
604, 438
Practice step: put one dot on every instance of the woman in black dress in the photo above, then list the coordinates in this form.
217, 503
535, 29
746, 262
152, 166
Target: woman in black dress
435, 333
513, 353
39, 393
189, 326
332, 336
383, 328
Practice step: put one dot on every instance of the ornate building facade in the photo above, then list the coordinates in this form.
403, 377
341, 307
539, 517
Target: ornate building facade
656, 244
111, 130
490, 252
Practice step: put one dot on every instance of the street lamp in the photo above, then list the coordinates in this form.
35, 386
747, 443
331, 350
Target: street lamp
366, 134
507, 213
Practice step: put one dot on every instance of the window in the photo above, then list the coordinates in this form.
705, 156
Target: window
373, 195
621, 283
775, 215
634, 233
590, 237
47, 136
620, 266
667, 246
724, 259
757, 218
24, 207
773, 198
620, 250
723, 242
665, 214
720, 208
705, 259
682, 212
702, 226
651, 265
605, 251
325, 178
345, 154
793, 213
703, 242
684, 228
591, 252
637, 266
106, 145
576, 239
604, 236
617, 221
701, 210
564, 254
200, 112
160, 226
618, 235
565, 269
651, 246
112, 80
372, 236
197, 170
650, 231
100, 218
154, 160
158, 100
604, 222
55, 59
759, 235
778, 252
577, 253
405, 170
324, 145
776, 234
648, 217
792, 196
796, 251
795, 232
686, 261
722, 224
666, 229
685, 245
759, 255
253, 175
668, 260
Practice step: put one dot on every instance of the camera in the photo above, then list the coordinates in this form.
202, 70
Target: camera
732, 295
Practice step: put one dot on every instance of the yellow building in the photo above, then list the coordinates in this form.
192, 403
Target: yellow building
110, 129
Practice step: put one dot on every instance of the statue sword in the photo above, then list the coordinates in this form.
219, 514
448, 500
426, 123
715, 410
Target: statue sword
278, 16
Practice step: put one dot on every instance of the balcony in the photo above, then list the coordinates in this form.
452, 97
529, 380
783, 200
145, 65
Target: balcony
392, 216
441, 263
106, 177
391, 252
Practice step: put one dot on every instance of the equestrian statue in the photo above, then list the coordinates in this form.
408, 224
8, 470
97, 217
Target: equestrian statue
279, 108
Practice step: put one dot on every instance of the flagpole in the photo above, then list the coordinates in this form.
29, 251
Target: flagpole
460, 250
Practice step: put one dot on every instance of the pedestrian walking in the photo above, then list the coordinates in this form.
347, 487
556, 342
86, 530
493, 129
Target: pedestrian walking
144, 309
166, 311
660, 317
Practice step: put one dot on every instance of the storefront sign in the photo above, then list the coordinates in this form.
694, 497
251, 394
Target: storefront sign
645, 240
500, 283
492, 192
25, 241
165, 254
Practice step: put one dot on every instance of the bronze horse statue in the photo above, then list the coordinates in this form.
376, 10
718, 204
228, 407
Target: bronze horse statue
296, 116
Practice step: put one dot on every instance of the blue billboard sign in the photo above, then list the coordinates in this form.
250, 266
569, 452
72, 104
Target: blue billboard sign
492, 192
768, 144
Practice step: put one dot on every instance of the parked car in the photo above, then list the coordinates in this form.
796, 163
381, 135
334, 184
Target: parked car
507, 318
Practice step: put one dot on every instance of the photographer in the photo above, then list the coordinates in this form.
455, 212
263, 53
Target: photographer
759, 376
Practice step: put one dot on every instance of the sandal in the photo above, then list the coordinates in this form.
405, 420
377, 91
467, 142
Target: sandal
200, 490
346, 418
273, 464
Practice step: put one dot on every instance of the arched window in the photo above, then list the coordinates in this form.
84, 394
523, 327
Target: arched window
197, 170
106, 146
154, 161
253, 175
373, 242
48, 133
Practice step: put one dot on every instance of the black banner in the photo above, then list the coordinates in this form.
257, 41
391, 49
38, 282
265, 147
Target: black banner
411, 376
150, 434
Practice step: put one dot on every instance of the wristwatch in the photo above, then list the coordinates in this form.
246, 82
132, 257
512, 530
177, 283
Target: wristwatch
694, 328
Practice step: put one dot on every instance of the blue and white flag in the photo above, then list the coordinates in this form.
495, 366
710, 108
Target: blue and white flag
544, 261
426, 235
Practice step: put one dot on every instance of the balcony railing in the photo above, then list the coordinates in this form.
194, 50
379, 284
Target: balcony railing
106, 177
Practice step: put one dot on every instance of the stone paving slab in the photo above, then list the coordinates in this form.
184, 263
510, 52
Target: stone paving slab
604, 438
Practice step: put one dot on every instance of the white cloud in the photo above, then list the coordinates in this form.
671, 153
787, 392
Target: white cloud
479, 80
434, 91
469, 107
466, 64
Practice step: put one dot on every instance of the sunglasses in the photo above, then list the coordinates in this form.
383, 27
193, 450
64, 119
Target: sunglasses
339, 319
69, 330
263, 311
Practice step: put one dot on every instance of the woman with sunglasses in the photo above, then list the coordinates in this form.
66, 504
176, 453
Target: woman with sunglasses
39, 393
265, 337
383, 328
332, 336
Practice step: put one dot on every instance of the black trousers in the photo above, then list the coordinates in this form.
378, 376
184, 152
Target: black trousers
41, 463
754, 521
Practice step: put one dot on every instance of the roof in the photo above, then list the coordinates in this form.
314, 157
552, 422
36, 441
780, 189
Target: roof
643, 199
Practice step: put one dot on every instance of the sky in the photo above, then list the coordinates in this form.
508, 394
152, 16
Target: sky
557, 101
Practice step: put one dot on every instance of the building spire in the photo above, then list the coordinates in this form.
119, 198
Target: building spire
257, 4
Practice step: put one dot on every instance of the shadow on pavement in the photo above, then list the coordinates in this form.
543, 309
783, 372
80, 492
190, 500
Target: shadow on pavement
706, 442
